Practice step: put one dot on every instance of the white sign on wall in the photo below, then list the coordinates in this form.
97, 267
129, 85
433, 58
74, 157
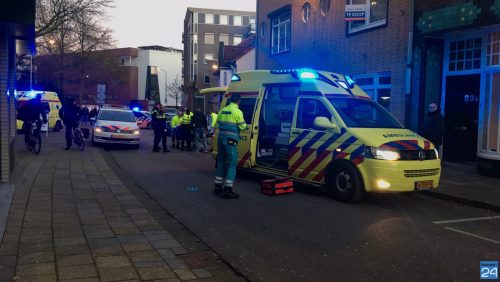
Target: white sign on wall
355, 13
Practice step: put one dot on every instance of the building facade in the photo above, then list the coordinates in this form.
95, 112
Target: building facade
314, 34
456, 62
203, 30
17, 36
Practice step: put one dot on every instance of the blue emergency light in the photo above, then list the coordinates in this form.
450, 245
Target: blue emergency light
307, 74
136, 109
235, 77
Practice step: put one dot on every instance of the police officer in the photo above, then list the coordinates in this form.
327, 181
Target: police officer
70, 114
176, 134
159, 119
230, 122
186, 130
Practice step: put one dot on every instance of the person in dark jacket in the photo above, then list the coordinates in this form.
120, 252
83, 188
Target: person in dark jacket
92, 116
159, 120
434, 125
30, 112
70, 114
199, 123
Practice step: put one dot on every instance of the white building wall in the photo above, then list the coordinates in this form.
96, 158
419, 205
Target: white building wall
247, 62
169, 64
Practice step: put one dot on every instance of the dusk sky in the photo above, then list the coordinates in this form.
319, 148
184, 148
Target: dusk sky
160, 22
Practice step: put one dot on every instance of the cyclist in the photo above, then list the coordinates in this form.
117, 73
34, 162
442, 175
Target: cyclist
30, 112
70, 114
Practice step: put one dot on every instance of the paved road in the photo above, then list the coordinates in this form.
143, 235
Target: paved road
310, 237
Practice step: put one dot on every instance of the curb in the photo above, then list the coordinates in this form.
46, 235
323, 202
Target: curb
461, 200
6, 195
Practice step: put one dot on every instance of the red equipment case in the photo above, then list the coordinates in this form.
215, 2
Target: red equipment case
276, 186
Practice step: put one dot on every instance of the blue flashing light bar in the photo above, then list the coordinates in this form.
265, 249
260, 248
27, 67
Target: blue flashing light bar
307, 74
136, 109
350, 81
303, 74
235, 77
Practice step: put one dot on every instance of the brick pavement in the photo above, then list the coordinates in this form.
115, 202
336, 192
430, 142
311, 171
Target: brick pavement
73, 219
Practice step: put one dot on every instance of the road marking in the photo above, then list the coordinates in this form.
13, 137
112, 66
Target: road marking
473, 235
466, 219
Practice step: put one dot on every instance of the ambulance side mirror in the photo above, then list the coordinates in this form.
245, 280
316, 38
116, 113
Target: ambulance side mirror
325, 124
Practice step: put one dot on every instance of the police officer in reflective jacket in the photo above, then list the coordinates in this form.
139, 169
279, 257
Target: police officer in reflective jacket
159, 120
230, 122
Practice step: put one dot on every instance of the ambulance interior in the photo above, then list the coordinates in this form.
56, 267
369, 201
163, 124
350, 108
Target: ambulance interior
275, 122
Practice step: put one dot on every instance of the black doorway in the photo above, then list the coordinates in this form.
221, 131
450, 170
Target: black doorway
461, 117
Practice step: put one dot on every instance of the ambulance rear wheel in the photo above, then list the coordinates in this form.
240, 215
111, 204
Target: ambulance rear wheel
344, 182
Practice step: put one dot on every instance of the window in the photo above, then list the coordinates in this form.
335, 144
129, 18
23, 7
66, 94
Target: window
209, 38
201, 17
263, 29
206, 79
237, 20
237, 39
378, 86
465, 55
493, 49
306, 12
310, 109
223, 19
281, 32
208, 56
224, 38
375, 13
209, 18
363, 113
324, 6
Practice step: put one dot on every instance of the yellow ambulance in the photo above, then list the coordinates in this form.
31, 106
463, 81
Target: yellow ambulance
321, 128
50, 100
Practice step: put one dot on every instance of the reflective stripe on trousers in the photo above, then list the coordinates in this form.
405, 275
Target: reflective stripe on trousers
227, 160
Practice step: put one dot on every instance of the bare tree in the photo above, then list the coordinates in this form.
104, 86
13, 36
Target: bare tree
175, 91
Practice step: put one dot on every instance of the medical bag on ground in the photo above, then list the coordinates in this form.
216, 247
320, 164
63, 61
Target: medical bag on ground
276, 186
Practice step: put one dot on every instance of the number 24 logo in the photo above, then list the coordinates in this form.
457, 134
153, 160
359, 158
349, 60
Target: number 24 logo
489, 272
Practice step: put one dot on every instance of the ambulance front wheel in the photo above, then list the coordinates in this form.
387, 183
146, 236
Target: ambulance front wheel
344, 182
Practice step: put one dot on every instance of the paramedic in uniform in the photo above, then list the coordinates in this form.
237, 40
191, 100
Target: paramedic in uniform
230, 122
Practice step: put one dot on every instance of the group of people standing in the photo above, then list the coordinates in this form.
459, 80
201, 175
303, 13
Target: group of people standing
186, 127
88, 116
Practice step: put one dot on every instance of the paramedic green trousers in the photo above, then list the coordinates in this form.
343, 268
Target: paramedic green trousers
227, 160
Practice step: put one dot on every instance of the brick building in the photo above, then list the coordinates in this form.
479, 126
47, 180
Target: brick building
314, 34
17, 32
112, 68
203, 30
456, 62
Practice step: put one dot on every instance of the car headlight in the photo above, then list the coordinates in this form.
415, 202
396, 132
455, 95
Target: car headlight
98, 129
136, 132
381, 154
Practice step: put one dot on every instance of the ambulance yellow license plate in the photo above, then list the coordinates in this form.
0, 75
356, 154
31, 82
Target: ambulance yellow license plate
118, 136
424, 185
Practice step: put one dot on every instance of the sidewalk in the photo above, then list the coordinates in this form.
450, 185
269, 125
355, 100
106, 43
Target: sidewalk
73, 219
461, 183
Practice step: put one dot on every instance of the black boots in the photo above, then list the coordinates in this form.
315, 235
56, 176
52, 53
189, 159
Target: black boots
229, 194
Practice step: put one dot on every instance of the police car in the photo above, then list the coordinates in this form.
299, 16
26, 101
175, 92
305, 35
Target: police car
143, 119
116, 126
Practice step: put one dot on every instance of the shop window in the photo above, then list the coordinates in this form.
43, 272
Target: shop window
493, 49
209, 38
378, 86
324, 6
375, 13
306, 12
465, 55
281, 33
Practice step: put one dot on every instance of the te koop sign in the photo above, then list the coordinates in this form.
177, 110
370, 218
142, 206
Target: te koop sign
355, 13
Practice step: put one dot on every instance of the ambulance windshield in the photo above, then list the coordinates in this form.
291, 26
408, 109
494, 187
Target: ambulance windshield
363, 113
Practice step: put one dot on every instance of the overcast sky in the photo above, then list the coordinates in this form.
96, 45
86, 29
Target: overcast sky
160, 22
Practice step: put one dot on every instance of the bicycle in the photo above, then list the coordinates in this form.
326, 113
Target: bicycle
78, 138
35, 139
